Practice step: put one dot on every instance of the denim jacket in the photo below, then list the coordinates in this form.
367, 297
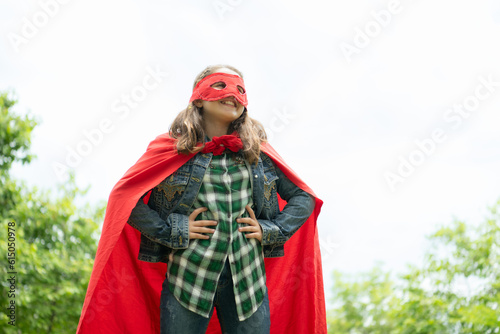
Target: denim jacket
164, 222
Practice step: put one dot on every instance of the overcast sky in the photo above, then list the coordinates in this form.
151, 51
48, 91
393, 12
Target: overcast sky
387, 109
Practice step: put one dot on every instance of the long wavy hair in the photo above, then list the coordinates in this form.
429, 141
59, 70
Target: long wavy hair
189, 130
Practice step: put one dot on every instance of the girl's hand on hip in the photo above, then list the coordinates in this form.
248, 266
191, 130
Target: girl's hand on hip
254, 227
196, 227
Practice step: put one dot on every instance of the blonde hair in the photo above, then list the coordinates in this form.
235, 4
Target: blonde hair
188, 126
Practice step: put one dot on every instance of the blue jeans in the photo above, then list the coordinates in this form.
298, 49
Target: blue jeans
176, 319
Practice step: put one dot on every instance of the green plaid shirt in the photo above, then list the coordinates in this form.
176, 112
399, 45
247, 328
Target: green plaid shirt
193, 272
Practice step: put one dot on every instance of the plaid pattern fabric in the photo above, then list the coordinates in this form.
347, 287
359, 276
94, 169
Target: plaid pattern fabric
193, 272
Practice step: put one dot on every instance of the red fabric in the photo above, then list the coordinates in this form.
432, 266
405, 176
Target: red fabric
218, 144
233, 82
123, 295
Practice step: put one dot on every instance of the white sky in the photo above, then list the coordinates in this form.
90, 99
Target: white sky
348, 123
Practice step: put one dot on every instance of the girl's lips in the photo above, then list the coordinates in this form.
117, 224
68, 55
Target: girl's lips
228, 103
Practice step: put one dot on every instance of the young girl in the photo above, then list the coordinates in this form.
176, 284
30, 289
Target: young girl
213, 213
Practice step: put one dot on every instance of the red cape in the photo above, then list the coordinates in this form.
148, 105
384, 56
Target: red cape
123, 295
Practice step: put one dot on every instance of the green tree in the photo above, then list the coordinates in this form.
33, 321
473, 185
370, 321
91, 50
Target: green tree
362, 303
55, 242
455, 290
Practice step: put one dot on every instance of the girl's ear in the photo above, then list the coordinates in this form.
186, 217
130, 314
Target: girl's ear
198, 103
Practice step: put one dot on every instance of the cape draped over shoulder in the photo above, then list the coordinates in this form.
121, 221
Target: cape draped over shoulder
123, 295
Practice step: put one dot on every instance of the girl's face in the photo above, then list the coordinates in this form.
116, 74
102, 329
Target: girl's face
224, 110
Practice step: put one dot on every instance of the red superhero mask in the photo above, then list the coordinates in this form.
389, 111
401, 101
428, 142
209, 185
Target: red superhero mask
227, 85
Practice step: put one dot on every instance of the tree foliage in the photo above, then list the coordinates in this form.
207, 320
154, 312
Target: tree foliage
15, 135
455, 290
55, 241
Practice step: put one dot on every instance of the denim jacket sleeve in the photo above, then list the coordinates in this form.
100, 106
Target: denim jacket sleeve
172, 232
299, 207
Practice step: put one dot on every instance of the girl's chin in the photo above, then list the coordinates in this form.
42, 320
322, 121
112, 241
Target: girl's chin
224, 115
231, 114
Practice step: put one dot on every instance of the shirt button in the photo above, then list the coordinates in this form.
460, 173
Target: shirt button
228, 238
256, 176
